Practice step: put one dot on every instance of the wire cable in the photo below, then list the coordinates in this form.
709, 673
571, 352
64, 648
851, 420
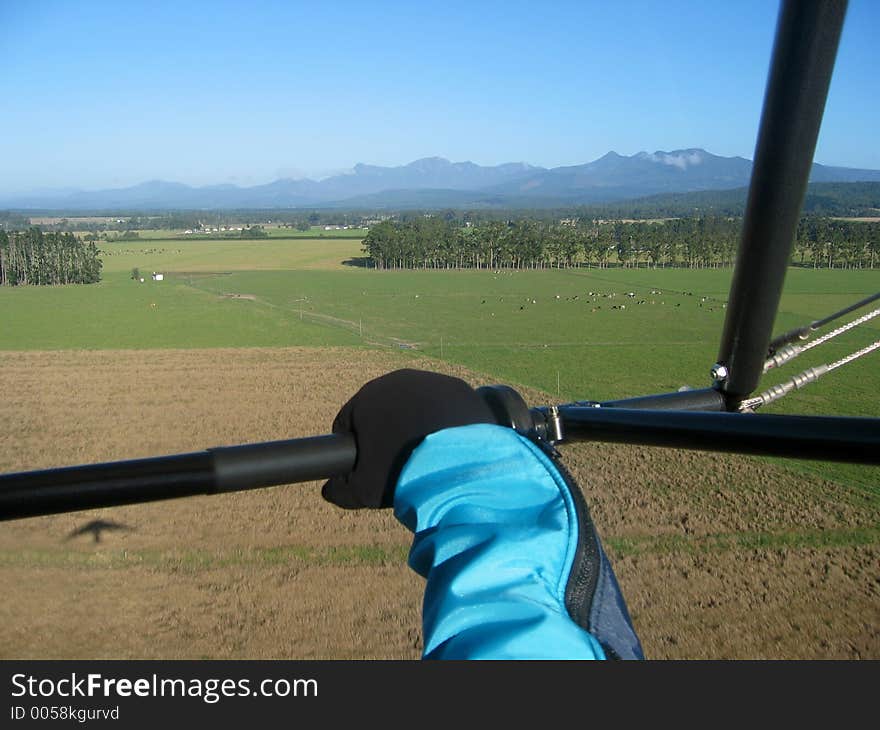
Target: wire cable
811, 375
803, 333
789, 352
854, 356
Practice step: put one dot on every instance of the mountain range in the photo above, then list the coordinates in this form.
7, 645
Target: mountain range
434, 182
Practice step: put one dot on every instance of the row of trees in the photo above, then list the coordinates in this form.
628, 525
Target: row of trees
34, 257
837, 244
436, 242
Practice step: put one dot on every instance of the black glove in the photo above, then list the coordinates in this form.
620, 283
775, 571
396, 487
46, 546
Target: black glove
389, 417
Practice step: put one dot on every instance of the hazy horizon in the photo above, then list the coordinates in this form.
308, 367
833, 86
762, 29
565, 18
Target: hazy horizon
349, 170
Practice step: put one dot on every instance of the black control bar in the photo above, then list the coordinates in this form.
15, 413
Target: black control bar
214, 471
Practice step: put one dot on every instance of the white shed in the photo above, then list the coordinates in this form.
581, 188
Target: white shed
158, 277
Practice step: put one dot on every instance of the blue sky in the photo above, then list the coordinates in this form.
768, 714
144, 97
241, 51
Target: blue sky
106, 94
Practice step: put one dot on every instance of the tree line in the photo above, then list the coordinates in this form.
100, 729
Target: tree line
34, 257
837, 244
436, 242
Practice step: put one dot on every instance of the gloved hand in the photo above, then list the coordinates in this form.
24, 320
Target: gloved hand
389, 417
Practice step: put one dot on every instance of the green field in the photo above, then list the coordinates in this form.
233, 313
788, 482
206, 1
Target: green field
537, 328
194, 255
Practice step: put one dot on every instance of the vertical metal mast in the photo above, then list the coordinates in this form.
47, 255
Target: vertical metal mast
807, 36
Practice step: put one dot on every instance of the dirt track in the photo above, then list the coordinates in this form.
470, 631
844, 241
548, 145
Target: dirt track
718, 556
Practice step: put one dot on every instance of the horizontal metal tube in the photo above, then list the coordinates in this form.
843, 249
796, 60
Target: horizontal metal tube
224, 469
282, 462
827, 438
704, 399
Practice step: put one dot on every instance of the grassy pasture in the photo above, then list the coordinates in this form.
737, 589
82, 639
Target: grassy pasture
572, 332
211, 255
119, 313
526, 327
489, 322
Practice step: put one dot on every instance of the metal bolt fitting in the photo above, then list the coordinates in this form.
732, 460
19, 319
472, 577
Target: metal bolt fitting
554, 425
719, 372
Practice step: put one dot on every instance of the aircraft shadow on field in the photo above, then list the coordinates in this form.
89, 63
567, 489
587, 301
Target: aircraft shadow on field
95, 528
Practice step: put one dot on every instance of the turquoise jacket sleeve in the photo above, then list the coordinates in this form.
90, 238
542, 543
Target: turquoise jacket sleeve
502, 541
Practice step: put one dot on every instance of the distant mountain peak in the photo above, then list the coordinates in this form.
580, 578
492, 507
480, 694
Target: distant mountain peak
436, 181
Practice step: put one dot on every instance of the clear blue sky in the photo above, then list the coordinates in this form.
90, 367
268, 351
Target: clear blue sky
105, 94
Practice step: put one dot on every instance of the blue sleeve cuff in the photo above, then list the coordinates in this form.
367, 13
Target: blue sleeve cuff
495, 537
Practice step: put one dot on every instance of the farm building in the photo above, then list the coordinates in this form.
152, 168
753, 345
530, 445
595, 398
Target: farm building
158, 277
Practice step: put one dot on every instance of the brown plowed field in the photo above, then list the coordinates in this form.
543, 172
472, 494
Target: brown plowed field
718, 556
